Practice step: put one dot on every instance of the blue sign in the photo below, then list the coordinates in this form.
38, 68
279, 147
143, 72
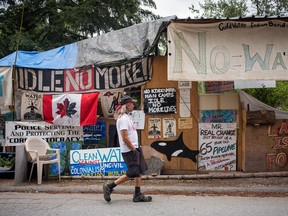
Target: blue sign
97, 162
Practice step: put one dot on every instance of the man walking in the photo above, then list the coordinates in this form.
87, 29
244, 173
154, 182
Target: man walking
131, 152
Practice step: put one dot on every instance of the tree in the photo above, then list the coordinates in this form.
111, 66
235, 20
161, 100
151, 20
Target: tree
234, 8
224, 8
269, 7
48, 24
221, 8
275, 97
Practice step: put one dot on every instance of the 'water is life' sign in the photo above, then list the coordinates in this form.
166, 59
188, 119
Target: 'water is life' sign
97, 162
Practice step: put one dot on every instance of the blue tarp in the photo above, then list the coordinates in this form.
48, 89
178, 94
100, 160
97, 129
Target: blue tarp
114, 47
59, 58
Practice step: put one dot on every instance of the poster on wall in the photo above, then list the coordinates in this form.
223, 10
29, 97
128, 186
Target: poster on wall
31, 107
185, 123
61, 137
95, 135
97, 162
138, 118
217, 146
154, 130
218, 116
160, 101
109, 101
169, 128
185, 109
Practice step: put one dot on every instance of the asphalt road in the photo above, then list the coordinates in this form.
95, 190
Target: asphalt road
257, 187
44, 204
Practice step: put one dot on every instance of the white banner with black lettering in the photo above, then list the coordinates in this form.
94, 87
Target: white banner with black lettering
17, 132
228, 50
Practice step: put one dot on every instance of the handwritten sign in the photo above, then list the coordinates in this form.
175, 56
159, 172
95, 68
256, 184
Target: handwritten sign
208, 53
160, 100
217, 146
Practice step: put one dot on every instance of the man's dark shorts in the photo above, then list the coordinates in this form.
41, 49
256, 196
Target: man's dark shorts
136, 165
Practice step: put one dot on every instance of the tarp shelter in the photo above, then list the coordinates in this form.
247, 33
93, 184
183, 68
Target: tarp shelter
114, 47
250, 103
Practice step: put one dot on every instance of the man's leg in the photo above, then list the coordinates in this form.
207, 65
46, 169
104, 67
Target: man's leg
138, 196
108, 188
121, 179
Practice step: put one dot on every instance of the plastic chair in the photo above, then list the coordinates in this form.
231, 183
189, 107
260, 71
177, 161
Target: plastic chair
39, 153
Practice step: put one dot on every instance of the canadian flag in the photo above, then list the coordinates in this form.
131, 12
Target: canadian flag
71, 109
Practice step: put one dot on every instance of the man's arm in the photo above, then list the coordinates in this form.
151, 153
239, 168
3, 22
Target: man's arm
126, 140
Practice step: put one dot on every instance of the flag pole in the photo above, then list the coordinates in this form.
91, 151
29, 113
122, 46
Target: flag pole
14, 65
12, 107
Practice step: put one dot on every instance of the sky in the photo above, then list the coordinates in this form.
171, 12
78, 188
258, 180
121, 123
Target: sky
180, 8
176, 7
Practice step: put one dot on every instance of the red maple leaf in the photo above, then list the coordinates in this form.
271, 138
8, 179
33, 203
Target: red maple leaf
66, 108
62, 107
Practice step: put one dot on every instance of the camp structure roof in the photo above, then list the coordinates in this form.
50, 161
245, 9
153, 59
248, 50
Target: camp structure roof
114, 47
202, 20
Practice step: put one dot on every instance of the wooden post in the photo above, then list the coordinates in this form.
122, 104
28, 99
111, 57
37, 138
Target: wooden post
20, 165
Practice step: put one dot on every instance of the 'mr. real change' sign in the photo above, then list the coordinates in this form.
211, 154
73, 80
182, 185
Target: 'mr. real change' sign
97, 162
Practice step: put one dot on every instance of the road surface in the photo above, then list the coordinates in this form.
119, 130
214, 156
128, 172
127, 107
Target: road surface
70, 204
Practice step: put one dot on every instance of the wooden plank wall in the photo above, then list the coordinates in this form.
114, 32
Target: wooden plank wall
266, 147
190, 136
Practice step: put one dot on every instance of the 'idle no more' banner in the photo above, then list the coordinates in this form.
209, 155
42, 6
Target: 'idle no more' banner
84, 79
217, 146
228, 50
97, 162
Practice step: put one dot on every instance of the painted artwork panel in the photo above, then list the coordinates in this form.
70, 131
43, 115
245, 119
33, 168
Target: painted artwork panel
97, 162
218, 116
